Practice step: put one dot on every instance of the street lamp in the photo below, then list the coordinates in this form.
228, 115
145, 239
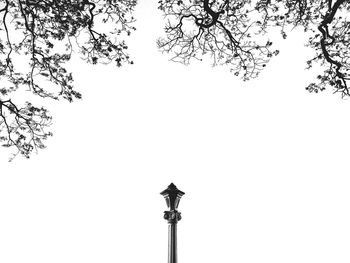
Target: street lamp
172, 197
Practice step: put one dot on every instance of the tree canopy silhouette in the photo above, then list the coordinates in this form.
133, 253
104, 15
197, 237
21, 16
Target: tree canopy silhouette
233, 33
37, 38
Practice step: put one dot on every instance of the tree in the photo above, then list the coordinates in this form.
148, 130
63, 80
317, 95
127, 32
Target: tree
37, 39
232, 33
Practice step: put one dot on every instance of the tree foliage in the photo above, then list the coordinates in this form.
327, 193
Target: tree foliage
37, 39
232, 33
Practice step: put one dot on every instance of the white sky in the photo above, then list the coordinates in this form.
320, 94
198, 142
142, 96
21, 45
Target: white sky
264, 164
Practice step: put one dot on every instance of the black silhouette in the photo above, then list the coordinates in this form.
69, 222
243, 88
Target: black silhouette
37, 38
233, 33
172, 197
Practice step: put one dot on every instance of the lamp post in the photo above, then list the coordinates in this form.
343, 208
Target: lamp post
172, 197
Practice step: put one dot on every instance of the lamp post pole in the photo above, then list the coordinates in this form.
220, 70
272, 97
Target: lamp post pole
172, 197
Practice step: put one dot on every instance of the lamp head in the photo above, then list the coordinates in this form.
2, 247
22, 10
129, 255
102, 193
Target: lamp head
172, 196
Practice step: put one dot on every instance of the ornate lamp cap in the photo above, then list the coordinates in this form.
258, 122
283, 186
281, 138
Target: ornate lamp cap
172, 189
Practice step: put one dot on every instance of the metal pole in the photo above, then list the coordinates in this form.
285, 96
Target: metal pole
172, 243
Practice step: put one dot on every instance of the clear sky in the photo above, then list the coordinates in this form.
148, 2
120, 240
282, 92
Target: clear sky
264, 164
